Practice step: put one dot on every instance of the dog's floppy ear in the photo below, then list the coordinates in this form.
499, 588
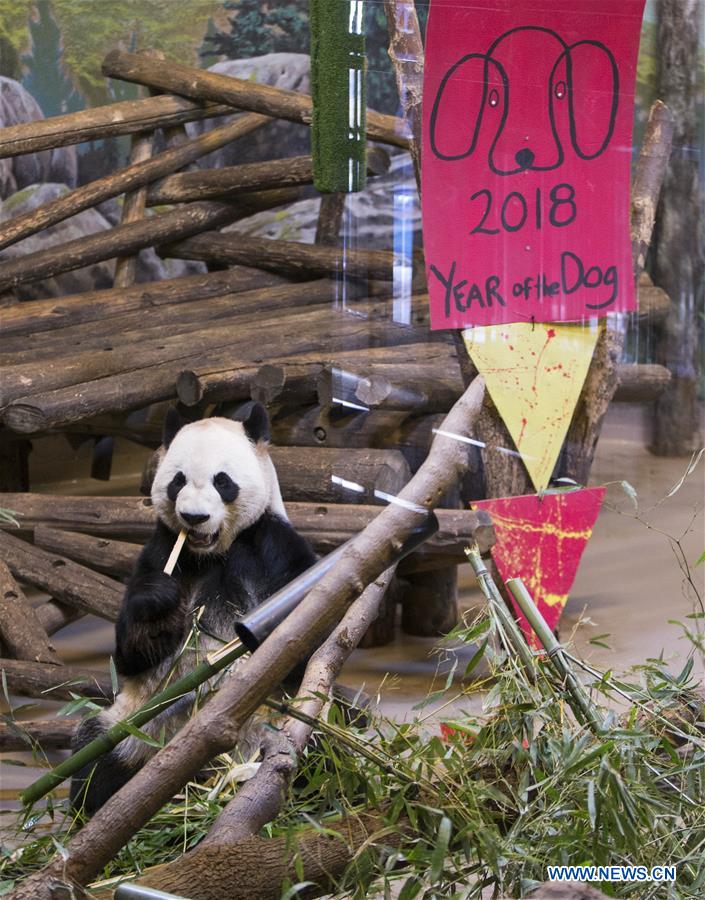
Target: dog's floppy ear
593, 94
255, 419
461, 102
173, 423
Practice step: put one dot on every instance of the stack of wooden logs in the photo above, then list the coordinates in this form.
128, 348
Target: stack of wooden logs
347, 378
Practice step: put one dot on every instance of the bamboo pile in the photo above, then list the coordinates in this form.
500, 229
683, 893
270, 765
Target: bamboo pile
363, 388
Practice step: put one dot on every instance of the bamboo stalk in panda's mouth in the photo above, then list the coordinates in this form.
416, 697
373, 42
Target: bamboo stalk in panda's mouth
176, 550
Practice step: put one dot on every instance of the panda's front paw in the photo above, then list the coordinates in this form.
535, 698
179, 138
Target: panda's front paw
157, 598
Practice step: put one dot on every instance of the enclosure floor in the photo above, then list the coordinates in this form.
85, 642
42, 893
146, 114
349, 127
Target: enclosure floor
629, 584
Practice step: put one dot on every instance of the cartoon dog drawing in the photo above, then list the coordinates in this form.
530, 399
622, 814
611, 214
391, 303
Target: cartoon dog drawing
525, 99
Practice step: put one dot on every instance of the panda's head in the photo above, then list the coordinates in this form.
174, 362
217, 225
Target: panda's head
216, 477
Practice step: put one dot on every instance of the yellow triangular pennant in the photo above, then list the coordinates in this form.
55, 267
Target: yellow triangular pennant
534, 373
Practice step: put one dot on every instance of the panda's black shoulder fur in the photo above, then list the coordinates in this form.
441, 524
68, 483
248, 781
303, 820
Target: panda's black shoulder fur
155, 612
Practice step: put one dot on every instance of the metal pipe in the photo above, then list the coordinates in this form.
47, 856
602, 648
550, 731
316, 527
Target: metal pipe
256, 626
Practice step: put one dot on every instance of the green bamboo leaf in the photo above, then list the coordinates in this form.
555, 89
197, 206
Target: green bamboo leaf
142, 735
476, 657
412, 887
440, 849
296, 889
592, 809
114, 683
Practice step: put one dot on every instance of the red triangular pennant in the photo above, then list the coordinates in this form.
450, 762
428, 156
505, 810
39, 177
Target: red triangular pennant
541, 539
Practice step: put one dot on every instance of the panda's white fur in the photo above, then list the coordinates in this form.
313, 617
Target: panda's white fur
201, 449
240, 550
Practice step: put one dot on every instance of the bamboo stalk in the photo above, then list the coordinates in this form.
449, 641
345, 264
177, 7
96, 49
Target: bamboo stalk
257, 625
581, 705
499, 607
176, 550
118, 732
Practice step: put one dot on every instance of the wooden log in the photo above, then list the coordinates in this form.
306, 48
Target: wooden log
124, 391
134, 207
318, 426
133, 518
505, 475
135, 329
64, 580
381, 630
54, 616
428, 391
142, 171
114, 558
338, 386
129, 518
330, 219
295, 382
97, 306
640, 382
196, 84
213, 184
33, 679
331, 524
26, 378
654, 302
290, 384
20, 628
84, 251
305, 331
285, 257
48, 734
126, 117
358, 475
429, 606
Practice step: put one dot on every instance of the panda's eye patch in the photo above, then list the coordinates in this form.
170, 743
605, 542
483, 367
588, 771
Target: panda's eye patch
226, 487
175, 485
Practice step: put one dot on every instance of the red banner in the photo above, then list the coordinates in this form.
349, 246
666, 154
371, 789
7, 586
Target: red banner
541, 540
528, 109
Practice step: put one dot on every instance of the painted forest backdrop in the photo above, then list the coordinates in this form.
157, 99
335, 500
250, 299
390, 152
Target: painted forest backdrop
54, 47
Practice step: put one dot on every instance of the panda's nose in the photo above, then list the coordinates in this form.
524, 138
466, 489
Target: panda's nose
194, 518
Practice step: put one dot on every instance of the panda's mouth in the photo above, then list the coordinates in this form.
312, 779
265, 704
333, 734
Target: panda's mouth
200, 540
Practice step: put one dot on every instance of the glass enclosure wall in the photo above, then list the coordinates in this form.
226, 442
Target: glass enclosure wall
246, 282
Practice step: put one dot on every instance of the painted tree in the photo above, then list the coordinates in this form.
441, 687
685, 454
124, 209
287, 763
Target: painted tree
44, 75
256, 29
14, 37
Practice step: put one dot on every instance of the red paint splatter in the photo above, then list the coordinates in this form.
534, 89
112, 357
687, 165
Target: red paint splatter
551, 333
541, 542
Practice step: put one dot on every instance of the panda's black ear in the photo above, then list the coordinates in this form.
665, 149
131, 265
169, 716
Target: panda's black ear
255, 419
173, 423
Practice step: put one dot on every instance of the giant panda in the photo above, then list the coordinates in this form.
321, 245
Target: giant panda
217, 480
